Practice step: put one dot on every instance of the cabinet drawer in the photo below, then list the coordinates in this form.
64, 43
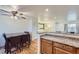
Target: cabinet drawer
60, 51
56, 44
65, 47
69, 48
46, 41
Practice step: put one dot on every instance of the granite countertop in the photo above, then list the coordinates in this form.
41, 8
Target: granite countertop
75, 36
71, 42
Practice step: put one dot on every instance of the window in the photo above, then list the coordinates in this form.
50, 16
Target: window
72, 28
72, 16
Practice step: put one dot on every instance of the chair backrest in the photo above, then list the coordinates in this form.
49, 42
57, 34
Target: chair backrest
24, 38
14, 40
27, 35
4, 35
26, 32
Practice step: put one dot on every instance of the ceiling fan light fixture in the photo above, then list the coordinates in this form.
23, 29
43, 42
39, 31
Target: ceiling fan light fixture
21, 13
12, 17
15, 17
14, 13
23, 17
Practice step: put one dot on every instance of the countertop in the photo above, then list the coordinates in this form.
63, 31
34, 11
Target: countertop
64, 40
75, 36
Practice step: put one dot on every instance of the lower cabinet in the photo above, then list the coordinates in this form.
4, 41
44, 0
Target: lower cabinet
63, 48
46, 46
51, 47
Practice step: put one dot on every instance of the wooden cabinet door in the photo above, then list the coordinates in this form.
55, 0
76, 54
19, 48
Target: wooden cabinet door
60, 51
46, 46
43, 48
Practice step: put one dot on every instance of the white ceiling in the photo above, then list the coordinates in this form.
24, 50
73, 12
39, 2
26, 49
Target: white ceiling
54, 10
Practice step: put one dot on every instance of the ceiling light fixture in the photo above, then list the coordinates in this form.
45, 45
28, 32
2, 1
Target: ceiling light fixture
14, 17
55, 17
46, 9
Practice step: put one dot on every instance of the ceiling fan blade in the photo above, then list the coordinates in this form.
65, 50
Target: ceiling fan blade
6, 14
20, 17
23, 17
2, 10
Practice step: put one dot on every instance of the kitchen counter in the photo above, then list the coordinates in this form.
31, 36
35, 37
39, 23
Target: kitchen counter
71, 40
68, 35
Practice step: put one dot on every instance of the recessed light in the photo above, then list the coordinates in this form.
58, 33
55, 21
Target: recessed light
55, 17
46, 9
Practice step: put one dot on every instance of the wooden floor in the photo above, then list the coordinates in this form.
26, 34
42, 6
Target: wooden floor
31, 50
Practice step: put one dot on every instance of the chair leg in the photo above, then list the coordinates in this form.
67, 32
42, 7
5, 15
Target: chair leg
6, 51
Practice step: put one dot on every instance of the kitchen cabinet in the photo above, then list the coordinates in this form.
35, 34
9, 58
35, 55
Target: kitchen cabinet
46, 46
51, 47
63, 48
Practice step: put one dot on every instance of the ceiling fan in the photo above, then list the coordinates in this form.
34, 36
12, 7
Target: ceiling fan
13, 13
